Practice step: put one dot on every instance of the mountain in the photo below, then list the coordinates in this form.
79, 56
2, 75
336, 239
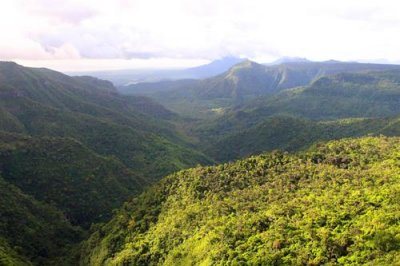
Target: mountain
128, 77
136, 130
68, 175
189, 75
34, 233
370, 94
334, 204
291, 134
72, 149
242, 83
213, 68
332, 107
148, 88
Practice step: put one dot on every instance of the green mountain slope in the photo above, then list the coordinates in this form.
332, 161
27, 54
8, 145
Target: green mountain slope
243, 82
291, 134
10, 257
76, 149
342, 105
63, 172
373, 94
136, 130
34, 232
335, 204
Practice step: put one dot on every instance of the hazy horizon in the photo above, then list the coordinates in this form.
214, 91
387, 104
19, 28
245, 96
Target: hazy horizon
122, 34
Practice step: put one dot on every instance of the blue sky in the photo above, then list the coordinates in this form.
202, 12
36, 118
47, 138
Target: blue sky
116, 34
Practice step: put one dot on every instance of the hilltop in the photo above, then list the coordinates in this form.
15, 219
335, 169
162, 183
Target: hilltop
334, 204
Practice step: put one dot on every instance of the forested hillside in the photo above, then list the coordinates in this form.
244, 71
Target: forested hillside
34, 233
63, 172
292, 134
71, 151
199, 133
242, 83
332, 107
41, 102
371, 94
337, 203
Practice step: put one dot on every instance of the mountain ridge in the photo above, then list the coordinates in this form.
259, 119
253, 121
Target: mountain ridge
241, 83
316, 207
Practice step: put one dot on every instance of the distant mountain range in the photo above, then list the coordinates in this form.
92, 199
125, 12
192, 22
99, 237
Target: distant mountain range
126, 77
242, 82
333, 106
73, 149
257, 107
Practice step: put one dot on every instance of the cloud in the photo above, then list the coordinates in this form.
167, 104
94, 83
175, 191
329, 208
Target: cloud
66, 11
208, 29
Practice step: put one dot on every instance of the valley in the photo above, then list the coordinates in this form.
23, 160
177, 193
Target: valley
238, 168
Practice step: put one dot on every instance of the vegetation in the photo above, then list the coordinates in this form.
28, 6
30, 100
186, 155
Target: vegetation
372, 94
242, 83
335, 204
136, 130
292, 134
332, 107
34, 232
72, 150
63, 172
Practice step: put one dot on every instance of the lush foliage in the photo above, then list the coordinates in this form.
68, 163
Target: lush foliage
332, 107
136, 130
372, 94
31, 231
290, 134
72, 150
242, 83
65, 173
89, 148
335, 204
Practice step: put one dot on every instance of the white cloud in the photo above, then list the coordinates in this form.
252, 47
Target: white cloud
183, 30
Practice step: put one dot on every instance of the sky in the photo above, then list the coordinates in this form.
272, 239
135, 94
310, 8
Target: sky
86, 35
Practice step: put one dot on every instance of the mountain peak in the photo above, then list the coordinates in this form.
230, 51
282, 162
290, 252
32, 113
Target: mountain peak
221, 62
9, 65
246, 64
332, 61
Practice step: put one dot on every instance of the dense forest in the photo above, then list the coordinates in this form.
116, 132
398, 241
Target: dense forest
290, 164
249, 80
337, 203
71, 151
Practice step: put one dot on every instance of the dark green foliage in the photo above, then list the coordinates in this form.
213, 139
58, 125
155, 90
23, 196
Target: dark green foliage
63, 172
31, 231
41, 102
372, 94
9, 257
332, 107
243, 83
290, 133
72, 149
335, 204
77, 148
